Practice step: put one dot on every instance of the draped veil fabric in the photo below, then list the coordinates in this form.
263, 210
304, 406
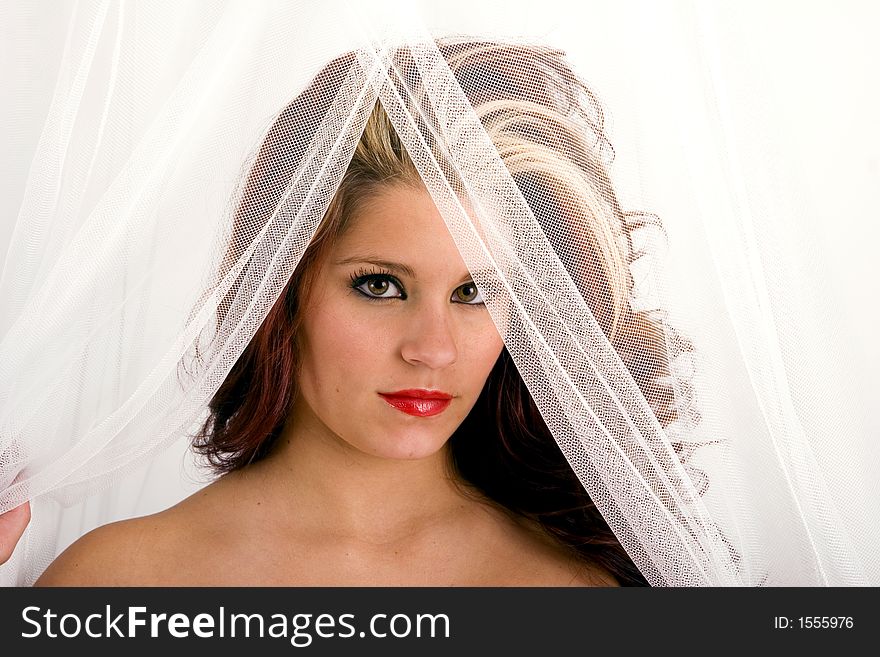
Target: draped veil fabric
745, 457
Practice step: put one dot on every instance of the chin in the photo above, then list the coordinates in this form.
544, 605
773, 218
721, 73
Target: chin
408, 447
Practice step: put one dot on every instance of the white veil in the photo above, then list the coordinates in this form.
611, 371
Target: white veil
134, 129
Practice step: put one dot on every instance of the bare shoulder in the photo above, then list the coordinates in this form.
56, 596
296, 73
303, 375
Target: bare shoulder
590, 575
562, 569
153, 550
535, 559
111, 555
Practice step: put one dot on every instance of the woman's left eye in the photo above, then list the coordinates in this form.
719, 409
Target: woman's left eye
469, 294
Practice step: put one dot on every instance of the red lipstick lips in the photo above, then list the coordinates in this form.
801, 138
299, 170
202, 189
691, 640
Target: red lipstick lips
422, 403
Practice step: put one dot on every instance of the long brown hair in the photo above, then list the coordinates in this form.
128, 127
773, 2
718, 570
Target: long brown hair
548, 128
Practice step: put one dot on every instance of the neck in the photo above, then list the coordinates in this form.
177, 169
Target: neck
319, 480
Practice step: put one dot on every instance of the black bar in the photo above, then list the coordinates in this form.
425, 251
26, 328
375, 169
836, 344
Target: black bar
495, 621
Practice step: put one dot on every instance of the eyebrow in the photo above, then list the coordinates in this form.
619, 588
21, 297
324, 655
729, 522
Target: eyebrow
387, 264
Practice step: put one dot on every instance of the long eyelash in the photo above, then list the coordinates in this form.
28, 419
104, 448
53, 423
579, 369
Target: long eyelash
366, 273
362, 275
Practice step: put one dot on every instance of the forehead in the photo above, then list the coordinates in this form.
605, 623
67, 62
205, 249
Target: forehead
401, 223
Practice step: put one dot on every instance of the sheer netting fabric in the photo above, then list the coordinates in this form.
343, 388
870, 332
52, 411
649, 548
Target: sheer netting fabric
688, 309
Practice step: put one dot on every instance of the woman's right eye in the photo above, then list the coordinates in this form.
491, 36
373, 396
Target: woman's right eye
378, 287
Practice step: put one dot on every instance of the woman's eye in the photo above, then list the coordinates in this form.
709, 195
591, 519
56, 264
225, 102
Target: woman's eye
468, 293
379, 287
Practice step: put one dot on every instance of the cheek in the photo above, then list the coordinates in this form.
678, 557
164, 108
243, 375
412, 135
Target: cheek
485, 351
339, 345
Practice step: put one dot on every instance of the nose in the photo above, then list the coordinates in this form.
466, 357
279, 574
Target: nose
430, 339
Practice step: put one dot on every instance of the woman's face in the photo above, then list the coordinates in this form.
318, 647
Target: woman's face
393, 308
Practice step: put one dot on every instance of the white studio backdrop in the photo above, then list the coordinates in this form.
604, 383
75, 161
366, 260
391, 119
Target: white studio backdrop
754, 110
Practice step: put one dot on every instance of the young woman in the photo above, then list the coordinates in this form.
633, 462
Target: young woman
376, 431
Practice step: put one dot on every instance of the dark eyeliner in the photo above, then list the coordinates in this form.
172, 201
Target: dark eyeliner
361, 276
